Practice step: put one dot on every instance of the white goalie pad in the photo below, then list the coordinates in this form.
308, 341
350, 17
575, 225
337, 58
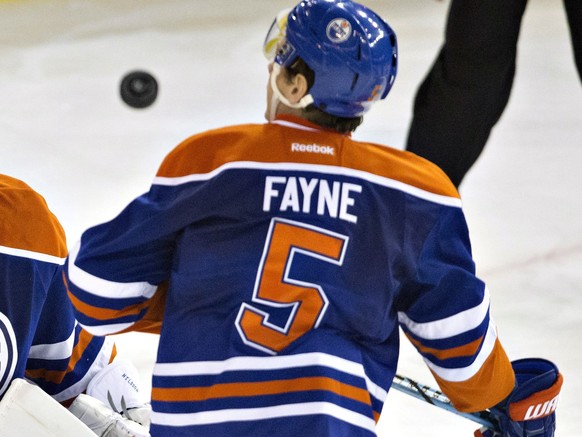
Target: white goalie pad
26, 410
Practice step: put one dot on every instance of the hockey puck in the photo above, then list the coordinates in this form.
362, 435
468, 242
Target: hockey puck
138, 89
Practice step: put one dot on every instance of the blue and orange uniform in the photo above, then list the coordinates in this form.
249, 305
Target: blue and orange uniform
40, 339
278, 263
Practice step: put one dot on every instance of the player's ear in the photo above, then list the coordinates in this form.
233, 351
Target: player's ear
294, 88
299, 88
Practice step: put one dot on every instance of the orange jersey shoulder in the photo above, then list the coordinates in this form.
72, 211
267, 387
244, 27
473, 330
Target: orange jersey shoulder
293, 142
27, 223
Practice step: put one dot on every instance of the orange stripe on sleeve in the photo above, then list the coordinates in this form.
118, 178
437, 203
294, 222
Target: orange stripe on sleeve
102, 313
466, 350
151, 322
113, 353
489, 386
57, 376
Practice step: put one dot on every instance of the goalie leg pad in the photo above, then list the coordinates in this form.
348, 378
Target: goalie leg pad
103, 421
26, 410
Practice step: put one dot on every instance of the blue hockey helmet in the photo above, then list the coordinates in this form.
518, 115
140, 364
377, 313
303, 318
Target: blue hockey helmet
352, 51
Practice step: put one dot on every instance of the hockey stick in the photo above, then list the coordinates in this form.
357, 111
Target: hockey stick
438, 399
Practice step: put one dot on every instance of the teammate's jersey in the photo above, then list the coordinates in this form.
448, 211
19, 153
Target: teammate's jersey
282, 259
39, 337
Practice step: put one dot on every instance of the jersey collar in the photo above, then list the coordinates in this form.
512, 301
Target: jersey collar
301, 123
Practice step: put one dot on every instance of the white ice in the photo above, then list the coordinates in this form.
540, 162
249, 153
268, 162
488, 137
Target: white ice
64, 130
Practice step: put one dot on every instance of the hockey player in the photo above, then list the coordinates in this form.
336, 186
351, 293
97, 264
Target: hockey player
281, 259
40, 340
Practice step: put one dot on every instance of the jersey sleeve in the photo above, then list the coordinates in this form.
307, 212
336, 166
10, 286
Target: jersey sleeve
64, 357
116, 275
446, 315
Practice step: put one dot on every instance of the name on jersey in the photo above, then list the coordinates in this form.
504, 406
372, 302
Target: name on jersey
312, 148
298, 194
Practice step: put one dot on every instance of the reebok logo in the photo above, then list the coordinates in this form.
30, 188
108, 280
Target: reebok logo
312, 148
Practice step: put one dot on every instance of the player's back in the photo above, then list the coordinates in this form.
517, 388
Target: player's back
285, 278
288, 252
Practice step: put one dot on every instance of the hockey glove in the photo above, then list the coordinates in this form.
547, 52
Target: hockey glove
529, 411
118, 386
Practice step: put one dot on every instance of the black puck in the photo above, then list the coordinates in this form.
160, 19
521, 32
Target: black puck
138, 89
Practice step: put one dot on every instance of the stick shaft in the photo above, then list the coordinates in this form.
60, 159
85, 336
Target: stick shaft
438, 399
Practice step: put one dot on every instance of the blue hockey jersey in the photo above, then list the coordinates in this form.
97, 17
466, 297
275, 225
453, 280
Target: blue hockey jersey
278, 262
39, 337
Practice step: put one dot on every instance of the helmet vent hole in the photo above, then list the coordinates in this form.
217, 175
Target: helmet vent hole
354, 81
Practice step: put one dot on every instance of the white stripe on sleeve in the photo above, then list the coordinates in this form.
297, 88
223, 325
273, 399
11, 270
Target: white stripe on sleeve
464, 373
103, 287
449, 326
54, 351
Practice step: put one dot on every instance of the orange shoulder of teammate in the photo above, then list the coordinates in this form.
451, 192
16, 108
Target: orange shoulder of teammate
27, 223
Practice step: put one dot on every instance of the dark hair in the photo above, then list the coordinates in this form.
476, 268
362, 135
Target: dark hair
317, 115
